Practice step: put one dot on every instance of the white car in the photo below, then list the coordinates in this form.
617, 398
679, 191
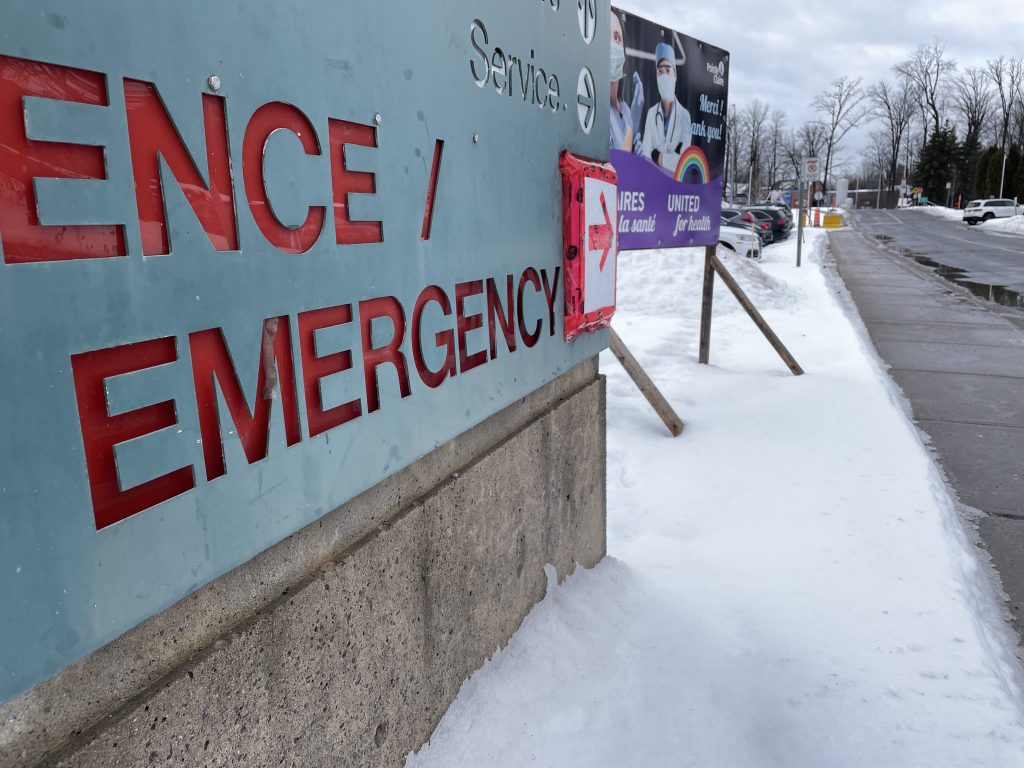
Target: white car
740, 239
986, 210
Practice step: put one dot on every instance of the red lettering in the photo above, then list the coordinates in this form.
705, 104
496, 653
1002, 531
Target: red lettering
267, 119
101, 431
443, 339
374, 357
529, 276
211, 365
151, 135
465, 324
346, 182
550, 292
505, 319
22, 160
315, 368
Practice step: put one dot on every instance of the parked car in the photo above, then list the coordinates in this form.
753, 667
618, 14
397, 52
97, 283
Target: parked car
780, 223
747, 219
771, 221
738, 237
986, 210
782, 208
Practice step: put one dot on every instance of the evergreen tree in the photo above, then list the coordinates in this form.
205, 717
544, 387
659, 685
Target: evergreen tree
936, 164
980, 190
1017, 190
1013, 162
970, 156
995, 173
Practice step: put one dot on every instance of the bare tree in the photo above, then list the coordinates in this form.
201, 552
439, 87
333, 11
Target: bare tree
929, 69
773, 149
973, 98
875, 162
893, 105
792, 151
840, 105
812, 138
754, 118
732, 149
1007, 75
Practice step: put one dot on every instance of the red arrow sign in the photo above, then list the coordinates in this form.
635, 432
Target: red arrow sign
601, 235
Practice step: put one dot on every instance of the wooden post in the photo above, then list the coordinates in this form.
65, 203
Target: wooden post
704, 355
759, 321
646, 386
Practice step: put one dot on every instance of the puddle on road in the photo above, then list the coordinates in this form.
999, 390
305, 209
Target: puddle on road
997, 294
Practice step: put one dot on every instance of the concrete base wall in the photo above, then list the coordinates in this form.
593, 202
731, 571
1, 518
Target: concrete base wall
345, 644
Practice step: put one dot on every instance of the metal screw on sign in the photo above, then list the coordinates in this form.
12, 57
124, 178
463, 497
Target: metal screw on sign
476, 138
214, 82
377, 118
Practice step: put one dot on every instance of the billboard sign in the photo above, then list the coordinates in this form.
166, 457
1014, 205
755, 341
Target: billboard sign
252, 262
669, 101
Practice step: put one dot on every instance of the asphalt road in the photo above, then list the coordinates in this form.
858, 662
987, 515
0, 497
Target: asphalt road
986, 262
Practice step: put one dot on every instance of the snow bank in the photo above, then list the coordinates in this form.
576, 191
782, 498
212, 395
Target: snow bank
1013, 225
788, 583
943, 213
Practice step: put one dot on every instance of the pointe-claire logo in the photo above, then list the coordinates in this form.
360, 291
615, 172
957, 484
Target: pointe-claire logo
718, 71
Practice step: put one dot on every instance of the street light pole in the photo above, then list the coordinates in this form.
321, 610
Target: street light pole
1002, 179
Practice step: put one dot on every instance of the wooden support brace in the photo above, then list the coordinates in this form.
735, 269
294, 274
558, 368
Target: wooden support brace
759, 321
646, 386
704, 356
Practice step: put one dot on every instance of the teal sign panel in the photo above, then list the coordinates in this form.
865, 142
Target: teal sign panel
254, 258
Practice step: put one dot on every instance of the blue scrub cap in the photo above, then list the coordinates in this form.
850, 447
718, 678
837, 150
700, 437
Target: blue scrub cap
664, 51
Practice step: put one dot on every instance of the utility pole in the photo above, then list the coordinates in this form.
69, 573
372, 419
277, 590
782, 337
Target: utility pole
1002, 179
800, 222
878, 202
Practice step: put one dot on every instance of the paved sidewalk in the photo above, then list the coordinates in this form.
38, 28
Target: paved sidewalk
960, 362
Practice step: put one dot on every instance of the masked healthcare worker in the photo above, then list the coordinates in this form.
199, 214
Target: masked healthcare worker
667, 132
626, 118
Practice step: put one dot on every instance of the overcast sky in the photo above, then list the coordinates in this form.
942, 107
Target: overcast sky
784, 52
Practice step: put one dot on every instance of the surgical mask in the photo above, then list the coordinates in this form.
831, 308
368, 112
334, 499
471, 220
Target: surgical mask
618, 61
667, 87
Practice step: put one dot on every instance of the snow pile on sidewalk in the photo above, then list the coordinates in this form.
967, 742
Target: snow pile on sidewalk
788, 584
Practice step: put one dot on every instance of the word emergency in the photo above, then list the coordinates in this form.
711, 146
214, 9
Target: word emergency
446, 332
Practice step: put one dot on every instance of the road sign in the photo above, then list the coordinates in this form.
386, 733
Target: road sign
251, 268
811, 168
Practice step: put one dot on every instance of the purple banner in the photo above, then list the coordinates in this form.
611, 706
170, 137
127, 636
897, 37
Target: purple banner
656, 211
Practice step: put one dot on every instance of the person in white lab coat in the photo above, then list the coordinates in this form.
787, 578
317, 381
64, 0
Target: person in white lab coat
625, 118
667, 132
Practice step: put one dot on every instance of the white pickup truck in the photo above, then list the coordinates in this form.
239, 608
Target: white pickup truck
986, 210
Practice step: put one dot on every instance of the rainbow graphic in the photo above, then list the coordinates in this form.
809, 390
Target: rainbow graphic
693, 158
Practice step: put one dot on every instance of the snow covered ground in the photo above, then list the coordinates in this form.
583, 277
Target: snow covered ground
1013, 225
788, 584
